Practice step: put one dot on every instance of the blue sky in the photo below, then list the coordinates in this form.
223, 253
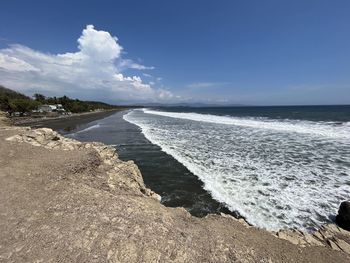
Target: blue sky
245, 52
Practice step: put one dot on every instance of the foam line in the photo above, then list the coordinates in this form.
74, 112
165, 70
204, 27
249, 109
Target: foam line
306, 127
89, 128
276, 178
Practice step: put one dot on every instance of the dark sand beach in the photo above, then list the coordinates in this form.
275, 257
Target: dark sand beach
161, 172
64, 123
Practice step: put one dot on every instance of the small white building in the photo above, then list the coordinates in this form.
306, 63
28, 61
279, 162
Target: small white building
51, 108
59, 108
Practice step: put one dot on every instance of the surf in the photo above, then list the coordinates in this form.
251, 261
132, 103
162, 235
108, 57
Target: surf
275, 173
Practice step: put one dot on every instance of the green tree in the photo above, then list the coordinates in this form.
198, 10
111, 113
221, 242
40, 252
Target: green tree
21, 105
4, 103
40, 98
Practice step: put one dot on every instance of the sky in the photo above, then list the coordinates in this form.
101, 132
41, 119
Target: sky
225, 52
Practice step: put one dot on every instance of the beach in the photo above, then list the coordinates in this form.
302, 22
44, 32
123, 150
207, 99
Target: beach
80, 202
64, 123
174, 131
161, 172
158, 168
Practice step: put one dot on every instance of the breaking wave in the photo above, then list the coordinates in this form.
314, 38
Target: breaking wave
275, 173
88, 128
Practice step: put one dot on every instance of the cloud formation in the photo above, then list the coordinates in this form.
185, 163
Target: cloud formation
94, 71
198, 85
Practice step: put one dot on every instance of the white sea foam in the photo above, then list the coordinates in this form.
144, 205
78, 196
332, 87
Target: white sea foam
89, 128
276, 173
308, 127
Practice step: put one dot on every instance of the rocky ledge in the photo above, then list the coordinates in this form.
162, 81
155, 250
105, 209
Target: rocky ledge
65, 200
121, 174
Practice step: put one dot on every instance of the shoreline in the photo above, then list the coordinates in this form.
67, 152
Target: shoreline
244, 159
98, 206
64, 123
78, 121
161, 172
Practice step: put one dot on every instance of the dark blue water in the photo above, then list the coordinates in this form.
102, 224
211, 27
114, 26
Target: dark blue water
334, 113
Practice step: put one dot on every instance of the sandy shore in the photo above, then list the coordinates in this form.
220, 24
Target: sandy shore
67, 201
64, 123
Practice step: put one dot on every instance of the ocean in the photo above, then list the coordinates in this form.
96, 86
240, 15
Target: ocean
278, 167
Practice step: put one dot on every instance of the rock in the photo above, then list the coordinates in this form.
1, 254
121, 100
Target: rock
300, 238
239, 220
343, 217
312, 240
333, 245
47, 138
153, 195
243, 222
343, 245
294, 236
318, 235
333, 236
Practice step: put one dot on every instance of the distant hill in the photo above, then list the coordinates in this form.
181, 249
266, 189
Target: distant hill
11, 94
12, 101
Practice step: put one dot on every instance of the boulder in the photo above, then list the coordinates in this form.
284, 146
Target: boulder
343, 217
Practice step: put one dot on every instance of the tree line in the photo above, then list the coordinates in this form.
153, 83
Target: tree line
12, 101
73, 105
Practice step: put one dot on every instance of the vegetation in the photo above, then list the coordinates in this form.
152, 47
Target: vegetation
12, 101
74, 105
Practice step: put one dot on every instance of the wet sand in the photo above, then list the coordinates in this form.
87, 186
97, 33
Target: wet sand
65, 124
161, 172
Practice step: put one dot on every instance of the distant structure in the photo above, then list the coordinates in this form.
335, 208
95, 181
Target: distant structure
51, 108
48, 108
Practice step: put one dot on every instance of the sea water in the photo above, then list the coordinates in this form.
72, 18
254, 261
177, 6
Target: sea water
279, 167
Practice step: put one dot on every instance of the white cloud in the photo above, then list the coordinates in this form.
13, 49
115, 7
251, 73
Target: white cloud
197, 85
127, 63
147, 75
94, 71
14, 64
99, 45
165, 94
